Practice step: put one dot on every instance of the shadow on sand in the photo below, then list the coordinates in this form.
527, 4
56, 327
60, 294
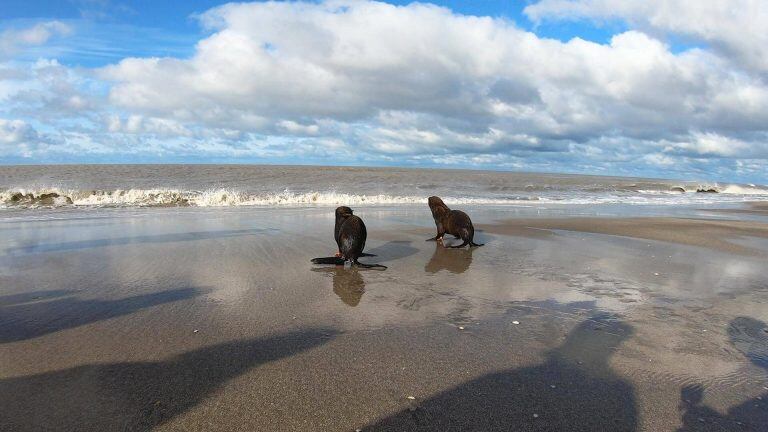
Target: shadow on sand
587, 395
393, 250
16, 299
26, 316
750, 337
140, 395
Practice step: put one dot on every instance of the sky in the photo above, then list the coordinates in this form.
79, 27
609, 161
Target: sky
658, 88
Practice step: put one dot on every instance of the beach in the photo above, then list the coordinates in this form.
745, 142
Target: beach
572, 316
384, 216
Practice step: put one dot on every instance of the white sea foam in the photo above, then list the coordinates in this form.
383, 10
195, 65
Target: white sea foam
222, 197
744, 190
208, 198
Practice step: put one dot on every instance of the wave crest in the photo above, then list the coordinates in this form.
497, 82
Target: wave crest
222, 197
744, 190
209, 198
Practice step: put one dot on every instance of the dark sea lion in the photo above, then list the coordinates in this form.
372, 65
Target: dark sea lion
350, 240
454, 222
342, 213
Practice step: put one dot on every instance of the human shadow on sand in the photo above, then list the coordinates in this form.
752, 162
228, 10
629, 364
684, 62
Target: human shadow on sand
137, 396
453, 260
348, 283
15, 299
139, 239
573, 390
34, 318
750, 337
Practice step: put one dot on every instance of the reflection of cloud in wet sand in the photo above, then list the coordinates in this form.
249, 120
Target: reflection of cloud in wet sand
454, 260
348, 283
573, 390
712, 234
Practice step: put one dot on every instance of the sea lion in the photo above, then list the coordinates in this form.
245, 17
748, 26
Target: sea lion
350, 240
454, 222
342, 213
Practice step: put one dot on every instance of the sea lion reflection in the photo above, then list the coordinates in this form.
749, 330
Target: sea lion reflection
348, 283
454, 260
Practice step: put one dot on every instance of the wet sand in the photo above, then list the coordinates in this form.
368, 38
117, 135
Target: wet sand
754, 208
721, 235
189, 319
760, 206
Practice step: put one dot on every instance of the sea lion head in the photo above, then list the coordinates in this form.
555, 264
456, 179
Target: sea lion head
438, 207
343, 212
435, 201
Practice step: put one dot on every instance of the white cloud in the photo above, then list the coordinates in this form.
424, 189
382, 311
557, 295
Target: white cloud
659, 160
15, 132
137, 124
47, 91
712, 144
735, 27
296, 128
419, 79
13, 39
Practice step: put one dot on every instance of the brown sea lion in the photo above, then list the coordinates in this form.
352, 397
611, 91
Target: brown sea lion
454, 222
350, 240
342, 213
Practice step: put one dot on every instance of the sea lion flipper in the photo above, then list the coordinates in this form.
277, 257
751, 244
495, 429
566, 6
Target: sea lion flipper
371, 266
476, 244
328, 260
367, 255
459, 246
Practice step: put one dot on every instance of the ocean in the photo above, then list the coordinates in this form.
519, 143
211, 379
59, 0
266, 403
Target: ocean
85, 186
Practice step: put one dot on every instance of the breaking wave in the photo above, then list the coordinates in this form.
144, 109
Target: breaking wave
211, 198
221, 197
744, 190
